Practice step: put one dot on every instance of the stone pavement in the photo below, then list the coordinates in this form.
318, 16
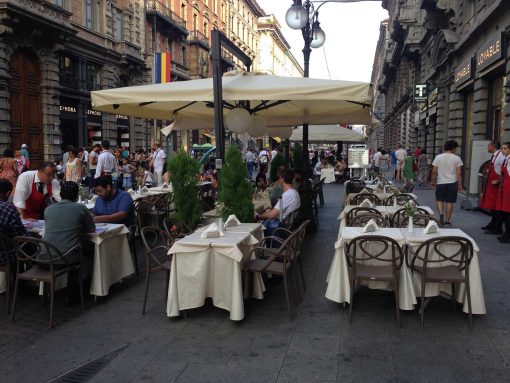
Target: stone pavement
319, 345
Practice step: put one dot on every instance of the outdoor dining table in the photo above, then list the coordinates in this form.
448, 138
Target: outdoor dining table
112, 256
338, 289
328, 174
213, 267
386, 211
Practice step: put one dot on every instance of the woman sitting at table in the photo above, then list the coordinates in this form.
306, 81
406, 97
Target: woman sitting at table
340, 170
261, 179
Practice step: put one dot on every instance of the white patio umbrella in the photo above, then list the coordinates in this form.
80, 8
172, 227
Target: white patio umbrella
326, 133
282, 101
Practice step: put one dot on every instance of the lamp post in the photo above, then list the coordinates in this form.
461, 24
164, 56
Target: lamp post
304, 15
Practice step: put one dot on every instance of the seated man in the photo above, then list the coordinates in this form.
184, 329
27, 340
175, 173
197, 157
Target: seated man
289, 203
10, 222
67, 221
113, 205
35, 190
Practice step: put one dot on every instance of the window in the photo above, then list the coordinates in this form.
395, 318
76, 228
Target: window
59, 3
183, 11
117, 25
89, 14
93, 77
205, 29
194, 21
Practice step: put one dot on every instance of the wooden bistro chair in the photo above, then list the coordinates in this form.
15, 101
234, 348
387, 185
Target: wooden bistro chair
277, 261
361, 220
44, 270
351, 214
373, 258
419, 220
176, 229
401, 199
400, 216
7, 255
442, 260
157, 242
359, 198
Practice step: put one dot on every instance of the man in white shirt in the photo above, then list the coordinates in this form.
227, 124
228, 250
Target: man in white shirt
106, 161
249, 158
35, 190
289, 202
274, 152
401, 155
376, 161
263, 156
447, 175
158, 162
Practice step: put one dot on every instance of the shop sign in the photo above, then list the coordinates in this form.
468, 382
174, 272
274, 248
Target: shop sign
490, 52
122, 120
67, 110
464, 72
94, 116
420, 93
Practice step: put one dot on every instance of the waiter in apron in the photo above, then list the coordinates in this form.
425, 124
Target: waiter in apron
503, 200
35, 190
489, 195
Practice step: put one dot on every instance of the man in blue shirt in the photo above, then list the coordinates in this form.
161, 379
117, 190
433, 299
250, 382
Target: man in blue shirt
113, 205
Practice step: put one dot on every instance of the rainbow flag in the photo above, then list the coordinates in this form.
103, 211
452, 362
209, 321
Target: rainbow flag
161, 68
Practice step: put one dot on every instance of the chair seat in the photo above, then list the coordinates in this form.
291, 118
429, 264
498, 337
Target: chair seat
274, 268
40, 274
442, 274
373, 272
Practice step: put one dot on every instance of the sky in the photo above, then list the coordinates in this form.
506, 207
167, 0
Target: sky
352, 31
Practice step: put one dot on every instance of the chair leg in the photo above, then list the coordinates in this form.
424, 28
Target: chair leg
13, 311
453, 296
134, 255
8, 288
351, 301
147, 274
81, 291
167, 284
302, 274
287, 295
470, 311
397, 302
422, 303
52, 296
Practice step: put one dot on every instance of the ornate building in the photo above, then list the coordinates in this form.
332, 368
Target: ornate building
459, 49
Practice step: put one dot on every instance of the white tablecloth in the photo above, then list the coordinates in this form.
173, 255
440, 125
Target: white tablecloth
329, 175
112, 258
338, 289
212, 267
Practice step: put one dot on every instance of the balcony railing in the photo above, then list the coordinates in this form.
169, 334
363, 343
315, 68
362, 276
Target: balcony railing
198, 37
180, 70
154, 6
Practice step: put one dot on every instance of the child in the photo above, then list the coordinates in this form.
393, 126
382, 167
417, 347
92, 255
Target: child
127, 169
147, 177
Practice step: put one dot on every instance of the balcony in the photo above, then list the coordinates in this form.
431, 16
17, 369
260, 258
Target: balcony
197, 37
179, 70
159, 9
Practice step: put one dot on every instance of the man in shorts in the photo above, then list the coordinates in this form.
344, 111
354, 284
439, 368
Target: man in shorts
447, 178
401, 155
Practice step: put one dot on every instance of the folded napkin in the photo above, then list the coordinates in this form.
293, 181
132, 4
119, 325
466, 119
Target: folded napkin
130, 190
365, 190
211, 231
93, 199
370, 226
430, 228
366, 203
165, 186
144, 189
232, 221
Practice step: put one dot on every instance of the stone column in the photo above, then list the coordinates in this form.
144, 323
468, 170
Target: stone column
110, 79
480, 105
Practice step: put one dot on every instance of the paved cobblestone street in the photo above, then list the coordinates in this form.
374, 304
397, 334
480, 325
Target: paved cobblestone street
319, 345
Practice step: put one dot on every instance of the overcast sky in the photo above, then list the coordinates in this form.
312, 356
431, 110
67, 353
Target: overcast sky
352, 31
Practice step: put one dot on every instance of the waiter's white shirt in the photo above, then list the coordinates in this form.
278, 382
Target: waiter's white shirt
106, 162
159, 160
24, 188
498, 161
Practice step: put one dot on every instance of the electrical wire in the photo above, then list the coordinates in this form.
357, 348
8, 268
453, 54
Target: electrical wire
326, 61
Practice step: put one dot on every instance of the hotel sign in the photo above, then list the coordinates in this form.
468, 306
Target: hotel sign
464, 72
420, 93
490, 52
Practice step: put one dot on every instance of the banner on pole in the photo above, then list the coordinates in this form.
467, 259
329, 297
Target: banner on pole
161, 68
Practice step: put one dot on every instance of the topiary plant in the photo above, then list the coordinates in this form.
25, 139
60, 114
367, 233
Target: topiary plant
297, 157
276, 162
235, 189
186, 193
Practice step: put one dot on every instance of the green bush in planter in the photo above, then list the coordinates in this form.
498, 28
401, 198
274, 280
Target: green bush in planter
186, 193
235, 189
297, 157
276, 162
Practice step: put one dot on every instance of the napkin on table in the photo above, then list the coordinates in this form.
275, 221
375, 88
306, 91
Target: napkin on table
93, 199
164, 186
430, 228
366, 203
211, 231
130, 190
365, 190
232, 221
370, 226
144, 189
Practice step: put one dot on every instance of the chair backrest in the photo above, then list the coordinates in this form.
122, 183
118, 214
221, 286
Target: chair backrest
407, 188
361, 220
401, 214
373, 249
359, 198
401, 199
419, 220
153, 236
176, 228
7, 250
354, 186
439, 251
37, 251
291, 220
360, 210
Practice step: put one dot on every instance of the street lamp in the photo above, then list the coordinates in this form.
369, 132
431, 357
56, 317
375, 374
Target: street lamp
305, 16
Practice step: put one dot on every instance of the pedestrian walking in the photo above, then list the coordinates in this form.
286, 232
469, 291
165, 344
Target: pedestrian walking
503, 199
249, 158
401, 156
26, 154
447, 178
393, 159
488, 198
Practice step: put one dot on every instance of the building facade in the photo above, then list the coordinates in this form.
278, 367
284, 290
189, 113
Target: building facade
459, 50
